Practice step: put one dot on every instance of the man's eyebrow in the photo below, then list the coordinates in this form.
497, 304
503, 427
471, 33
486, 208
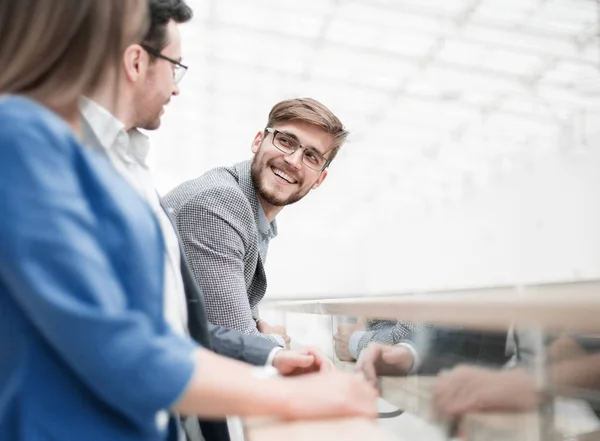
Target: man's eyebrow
310, 147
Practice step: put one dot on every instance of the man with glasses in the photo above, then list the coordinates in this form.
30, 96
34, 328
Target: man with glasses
179, 69
226, 218
110, 119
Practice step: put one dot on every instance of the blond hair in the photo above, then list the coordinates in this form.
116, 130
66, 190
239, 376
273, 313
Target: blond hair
55, 50
310, 111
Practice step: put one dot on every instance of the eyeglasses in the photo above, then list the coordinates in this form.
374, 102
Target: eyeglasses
179, 69
288, 145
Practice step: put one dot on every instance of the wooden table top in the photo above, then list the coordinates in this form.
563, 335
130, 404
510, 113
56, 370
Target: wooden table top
355, 429
557, 306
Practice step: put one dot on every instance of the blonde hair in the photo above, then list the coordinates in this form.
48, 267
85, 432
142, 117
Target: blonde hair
55, 50
312, 112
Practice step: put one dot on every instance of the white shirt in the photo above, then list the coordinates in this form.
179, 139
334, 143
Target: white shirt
127, 152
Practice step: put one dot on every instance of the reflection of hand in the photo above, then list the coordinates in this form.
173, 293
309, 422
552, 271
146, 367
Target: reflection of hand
302, 361
265, 328
342, 339
470, 389
331, 395
378, 359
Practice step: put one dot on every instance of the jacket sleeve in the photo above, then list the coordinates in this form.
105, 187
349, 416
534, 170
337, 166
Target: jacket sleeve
53, 263
235, 344
215, 247
388, 332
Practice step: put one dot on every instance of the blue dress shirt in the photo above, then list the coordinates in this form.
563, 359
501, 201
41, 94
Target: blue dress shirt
85, 352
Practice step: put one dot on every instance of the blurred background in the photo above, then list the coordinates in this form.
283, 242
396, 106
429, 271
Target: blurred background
474, 156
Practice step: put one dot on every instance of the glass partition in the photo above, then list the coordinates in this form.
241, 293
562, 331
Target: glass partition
478, 381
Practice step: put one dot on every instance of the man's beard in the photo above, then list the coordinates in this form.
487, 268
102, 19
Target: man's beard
150, 122
258, 171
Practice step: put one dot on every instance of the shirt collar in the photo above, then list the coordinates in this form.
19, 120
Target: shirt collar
264, 227
132, 146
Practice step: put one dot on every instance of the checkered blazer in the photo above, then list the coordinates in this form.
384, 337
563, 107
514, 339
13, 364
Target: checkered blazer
388, 332
440, 347
217, 219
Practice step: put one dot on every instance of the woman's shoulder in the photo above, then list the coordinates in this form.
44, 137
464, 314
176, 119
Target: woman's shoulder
24, 118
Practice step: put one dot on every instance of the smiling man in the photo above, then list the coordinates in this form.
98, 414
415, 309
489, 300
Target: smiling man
226, 217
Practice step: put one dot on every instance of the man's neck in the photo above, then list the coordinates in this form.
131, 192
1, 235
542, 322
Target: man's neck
115, 104
271, 211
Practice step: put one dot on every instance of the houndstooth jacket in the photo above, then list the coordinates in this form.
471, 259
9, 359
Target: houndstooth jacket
439, 348
388, 332
217, 219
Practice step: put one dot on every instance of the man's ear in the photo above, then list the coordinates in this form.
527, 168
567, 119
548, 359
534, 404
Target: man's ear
320, 180
135, 62
257, 141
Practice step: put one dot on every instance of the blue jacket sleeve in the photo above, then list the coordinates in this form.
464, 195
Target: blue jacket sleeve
54, 266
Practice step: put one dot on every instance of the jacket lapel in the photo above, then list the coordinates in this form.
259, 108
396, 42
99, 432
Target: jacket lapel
197, 319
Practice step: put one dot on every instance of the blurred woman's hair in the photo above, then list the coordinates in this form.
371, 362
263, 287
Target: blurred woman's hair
55, 50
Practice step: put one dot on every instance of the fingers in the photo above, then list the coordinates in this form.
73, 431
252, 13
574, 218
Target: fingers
303, 361
345, 329
297, 359
366, 363
457, 392
324, 363
398, 358
338, 338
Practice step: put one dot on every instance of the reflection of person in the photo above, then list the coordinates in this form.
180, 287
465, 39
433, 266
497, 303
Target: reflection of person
352, 338
469, 388
81, 261
430, 349
226, 217
110, 125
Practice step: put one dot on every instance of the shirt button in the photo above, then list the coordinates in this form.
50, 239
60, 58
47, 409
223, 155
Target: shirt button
162, 420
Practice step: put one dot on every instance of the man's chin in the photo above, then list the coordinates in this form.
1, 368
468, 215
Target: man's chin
278, 200
153, 125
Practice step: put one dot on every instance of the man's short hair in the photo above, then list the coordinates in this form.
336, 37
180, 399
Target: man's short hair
312, 112
161, 12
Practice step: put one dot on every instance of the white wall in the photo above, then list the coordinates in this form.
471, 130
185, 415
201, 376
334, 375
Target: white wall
538, 222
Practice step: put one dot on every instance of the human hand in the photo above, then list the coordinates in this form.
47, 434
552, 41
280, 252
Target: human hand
342, 339
378, 359
331, 395
472, 389
302, 361
265, 328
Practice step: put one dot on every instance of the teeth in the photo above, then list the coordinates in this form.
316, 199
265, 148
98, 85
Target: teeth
284, 176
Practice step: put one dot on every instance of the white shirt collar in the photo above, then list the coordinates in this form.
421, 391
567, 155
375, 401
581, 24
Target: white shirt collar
132, 146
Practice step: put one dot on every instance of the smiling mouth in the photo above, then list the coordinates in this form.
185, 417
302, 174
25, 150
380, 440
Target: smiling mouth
283, 176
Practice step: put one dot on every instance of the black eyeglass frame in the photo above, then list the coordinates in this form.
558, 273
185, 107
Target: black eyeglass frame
157, 54
274, 132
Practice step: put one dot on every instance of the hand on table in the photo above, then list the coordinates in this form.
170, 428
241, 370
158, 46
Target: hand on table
342, 339
378, 359
332, 394
472, 389
301, 361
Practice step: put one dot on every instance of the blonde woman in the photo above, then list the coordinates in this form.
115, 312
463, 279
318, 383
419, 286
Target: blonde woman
85, 351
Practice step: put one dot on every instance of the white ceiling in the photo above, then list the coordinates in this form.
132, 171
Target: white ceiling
425, 86
441, 96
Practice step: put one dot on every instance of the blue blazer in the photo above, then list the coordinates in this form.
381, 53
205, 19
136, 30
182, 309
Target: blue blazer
85, 352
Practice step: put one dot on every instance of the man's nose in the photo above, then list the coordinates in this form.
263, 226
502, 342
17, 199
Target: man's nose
295, 159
